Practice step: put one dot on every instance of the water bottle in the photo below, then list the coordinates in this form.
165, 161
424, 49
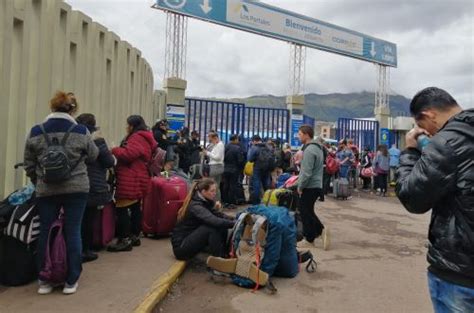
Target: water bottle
423, 141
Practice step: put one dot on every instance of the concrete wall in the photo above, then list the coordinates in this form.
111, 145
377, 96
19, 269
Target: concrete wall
45, 46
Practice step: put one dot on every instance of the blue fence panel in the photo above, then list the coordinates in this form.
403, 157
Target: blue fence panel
394, 138
205, 115
363, 132
229, 118
267, 123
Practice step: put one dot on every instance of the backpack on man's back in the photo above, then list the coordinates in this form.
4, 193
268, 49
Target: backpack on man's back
266, 160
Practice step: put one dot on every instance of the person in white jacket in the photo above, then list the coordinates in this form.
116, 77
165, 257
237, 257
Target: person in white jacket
215, 152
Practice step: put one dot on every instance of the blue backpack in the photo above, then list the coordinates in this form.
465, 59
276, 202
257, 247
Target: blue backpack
278, 256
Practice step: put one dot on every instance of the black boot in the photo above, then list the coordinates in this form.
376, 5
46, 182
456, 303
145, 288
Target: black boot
89, 256
124, 244
135, 241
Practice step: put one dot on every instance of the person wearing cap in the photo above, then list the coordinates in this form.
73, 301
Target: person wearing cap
70, 194
100, 193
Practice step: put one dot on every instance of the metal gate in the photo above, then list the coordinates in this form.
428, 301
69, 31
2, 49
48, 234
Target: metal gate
228, 118
267, 123
365, 133
223, 117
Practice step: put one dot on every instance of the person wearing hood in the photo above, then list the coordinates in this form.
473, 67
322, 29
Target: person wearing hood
133, 179
201, 227
69, 192
310, 188
439, 177
100, 193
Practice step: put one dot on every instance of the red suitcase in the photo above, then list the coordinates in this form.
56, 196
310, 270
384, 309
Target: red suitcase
161, 204
104, 227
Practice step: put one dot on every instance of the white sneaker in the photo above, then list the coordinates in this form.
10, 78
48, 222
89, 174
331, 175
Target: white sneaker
325, 236
305, 244
44, 288
70, 289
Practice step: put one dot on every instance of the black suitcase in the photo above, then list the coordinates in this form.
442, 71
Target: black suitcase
17, 262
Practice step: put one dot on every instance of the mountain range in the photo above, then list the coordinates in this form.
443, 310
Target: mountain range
330, 107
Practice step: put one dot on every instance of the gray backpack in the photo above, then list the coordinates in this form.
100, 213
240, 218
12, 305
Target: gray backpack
55, 163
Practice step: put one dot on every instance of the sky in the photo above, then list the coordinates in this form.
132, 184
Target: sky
435, 43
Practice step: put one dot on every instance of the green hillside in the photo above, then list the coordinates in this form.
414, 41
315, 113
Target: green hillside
332, 106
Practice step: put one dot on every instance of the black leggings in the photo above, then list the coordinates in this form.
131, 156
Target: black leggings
203, 239
129, 221
312, 226
88, 227
381, 182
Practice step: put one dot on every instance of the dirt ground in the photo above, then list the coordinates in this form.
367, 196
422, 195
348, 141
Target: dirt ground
377, 264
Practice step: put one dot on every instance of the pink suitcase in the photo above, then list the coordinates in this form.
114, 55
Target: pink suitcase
161, 204
104, 227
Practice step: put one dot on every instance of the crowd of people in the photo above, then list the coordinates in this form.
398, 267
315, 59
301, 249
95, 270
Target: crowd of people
91, 183
69, 162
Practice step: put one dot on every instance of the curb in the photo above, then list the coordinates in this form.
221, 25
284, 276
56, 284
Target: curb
160, 288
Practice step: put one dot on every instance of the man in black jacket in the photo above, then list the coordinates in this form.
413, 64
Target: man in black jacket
441, 179
233, 165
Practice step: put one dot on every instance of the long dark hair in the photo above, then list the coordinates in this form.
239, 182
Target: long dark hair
137, 123
383, 149
198, 186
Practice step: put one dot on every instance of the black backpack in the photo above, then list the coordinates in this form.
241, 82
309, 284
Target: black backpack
266, 159
55, 163
279, 158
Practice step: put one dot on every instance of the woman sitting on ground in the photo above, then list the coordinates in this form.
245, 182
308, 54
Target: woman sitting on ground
200, 224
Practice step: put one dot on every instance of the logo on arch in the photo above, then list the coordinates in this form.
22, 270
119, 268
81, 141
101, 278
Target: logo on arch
175, 4
241, 7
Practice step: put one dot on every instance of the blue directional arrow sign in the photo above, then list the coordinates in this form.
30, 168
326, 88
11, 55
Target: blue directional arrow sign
270, 21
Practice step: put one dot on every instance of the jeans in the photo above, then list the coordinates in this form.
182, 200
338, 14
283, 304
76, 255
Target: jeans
73, 206
258, 181
448, 297
344, 171
312, 226
129, 221
214, 239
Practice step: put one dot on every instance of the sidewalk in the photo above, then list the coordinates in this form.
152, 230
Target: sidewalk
116, 282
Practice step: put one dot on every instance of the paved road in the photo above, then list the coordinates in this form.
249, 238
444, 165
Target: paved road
115, 283
376, 264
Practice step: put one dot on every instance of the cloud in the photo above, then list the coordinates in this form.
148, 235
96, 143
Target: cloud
434, 40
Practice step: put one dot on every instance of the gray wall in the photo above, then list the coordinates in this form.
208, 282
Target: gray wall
45, 46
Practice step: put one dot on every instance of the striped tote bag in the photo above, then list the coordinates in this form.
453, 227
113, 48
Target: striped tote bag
24, 223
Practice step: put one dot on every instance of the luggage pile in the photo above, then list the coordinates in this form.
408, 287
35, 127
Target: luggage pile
19, 231
262, 245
